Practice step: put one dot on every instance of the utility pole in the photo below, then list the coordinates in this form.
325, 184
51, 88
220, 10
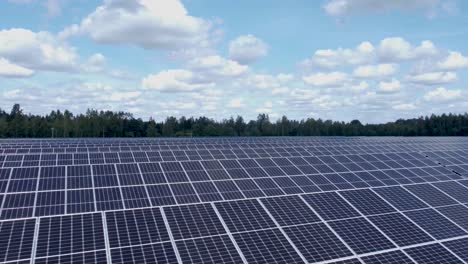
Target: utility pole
53, 129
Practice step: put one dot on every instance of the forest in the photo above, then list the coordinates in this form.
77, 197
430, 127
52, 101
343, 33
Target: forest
94, 123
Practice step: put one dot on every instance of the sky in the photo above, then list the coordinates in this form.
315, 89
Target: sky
371, 60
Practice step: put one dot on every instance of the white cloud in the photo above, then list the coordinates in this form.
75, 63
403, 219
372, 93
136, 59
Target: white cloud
217, 66
331, 79
340, 8
389, 87
175, 81
120, 96
267, 81
235, 103
404, 107
178, 105
362, 86
442, 95
36, 51
247, 49
8, 69
454, 60
328, 58
266, 108
374, 71
433, 78
146, 23
397, 49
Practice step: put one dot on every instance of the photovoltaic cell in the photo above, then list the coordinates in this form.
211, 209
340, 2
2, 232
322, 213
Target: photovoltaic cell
193, 221
152, 253
367, 202
430, 195
333, 179
98, 256
457, 213
401, 230
61, 235
435, 223
392, 257
16, 239
361, 236
136, 227
267, 246
215, 249
316, 242
330, 206
244, 215
432, 254
400, 198
459, 247
290, 210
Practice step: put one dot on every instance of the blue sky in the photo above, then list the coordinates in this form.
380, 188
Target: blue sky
334, 59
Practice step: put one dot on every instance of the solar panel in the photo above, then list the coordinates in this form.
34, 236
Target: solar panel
432, 254
435, 223
361, 235
234, 200
391, 257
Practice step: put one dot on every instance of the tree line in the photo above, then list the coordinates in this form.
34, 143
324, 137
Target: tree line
95, 123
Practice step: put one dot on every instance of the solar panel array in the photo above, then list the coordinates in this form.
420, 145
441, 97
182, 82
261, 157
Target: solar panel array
234, 200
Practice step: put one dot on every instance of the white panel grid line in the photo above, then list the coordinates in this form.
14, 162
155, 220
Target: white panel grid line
171, 237
106, 237
229, 234
282, 231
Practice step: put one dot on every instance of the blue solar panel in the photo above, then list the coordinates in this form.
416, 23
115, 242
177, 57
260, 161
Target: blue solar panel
267, 246
435, 224
317, 242
152, 253
136, 227
400, 198
16, 239
401, 230
432, 254
431, 195
233, 200
290, 210
61, 235
244, 215
459, 247
361, 236
367, 202
330, 206
193, 221
216, 249
392, 257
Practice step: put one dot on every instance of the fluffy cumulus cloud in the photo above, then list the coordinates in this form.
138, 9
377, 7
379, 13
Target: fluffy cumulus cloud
8, 69
442, 94
398, 49
177, 80
37, 50
340, 8
390, 87
374, 71
331, 79
454, 60
236, 103
146, 23
247, 49
433, 78
198, 74
217, 66
404, 106
329, 58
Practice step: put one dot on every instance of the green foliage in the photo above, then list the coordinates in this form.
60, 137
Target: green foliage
95, 123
